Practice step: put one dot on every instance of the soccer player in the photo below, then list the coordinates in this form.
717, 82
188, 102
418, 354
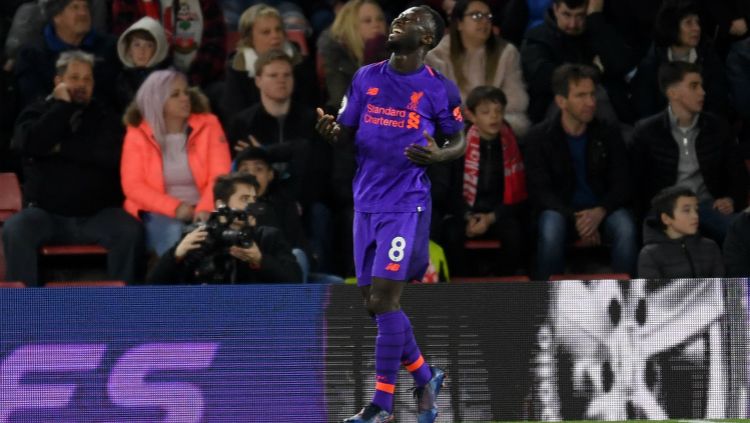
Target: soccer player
390, 110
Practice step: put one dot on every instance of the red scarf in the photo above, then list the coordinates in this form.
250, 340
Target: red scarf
515, 176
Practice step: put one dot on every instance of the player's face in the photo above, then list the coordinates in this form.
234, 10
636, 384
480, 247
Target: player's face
141, 51
79, 78
262, 172
580, 104
370, 20
276, 80
268, 33
488, 117
407, 31
690, 31
685, 217
476, 24
177, 105
570, 21
75, 18
688, 93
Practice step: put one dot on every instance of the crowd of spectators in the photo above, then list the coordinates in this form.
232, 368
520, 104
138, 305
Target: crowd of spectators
590, 123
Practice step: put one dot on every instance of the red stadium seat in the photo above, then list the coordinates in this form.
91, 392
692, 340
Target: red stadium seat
590, 277
482, 244
10, 203
72, 250
515, 278
297, 36
320, 72
480, 256
12, 285
90, 284
233, 37
10, 196
80, 251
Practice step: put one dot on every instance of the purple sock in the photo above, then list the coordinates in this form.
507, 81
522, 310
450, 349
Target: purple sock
412, 359
388, 346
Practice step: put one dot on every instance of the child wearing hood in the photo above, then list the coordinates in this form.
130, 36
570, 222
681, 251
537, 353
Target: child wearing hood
673, 248
142, 48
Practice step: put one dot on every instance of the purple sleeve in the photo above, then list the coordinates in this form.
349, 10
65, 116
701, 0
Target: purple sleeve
449, 115
351, 103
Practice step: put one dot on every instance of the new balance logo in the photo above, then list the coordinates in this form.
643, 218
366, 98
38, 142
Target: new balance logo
393, 267
373, 91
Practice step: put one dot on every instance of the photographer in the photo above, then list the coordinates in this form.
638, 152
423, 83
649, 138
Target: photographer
229, 247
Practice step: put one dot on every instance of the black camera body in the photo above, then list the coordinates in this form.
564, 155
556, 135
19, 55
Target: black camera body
221, 235
209, 261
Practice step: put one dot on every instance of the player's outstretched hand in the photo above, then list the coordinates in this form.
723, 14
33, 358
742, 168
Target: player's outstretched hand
327, 126
424, 154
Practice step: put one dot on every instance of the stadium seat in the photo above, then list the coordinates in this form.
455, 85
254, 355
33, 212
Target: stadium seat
590, 277
515, 278
320, 72
10, 195
12, 285
233, 37
72, 250
297, 36
480, 256
90, 284
81, 252
482, 244
10, 203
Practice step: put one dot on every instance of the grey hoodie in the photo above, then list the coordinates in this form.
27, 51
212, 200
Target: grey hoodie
688, 257
154, 28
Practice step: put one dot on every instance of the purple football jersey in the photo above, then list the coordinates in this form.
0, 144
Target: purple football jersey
391, 111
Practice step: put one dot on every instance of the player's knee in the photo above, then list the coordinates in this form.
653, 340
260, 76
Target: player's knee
378, 304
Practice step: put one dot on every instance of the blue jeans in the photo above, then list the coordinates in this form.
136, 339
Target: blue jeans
713, 224
555, 232
162, 232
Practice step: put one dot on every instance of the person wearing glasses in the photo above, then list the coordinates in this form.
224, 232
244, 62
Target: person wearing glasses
472, 55
576, 31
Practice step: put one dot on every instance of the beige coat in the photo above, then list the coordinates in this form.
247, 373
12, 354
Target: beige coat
508, 78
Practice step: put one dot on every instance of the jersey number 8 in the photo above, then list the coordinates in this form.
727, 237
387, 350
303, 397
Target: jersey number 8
396, 253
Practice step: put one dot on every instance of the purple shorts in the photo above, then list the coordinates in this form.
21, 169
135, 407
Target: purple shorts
391, 246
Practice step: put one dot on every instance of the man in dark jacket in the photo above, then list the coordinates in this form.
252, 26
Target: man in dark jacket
576, 31
684, 145
285, 127
71, 150
69, 28
268, 258
577, 177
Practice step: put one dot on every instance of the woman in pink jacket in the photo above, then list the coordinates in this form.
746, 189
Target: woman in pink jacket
174, 149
